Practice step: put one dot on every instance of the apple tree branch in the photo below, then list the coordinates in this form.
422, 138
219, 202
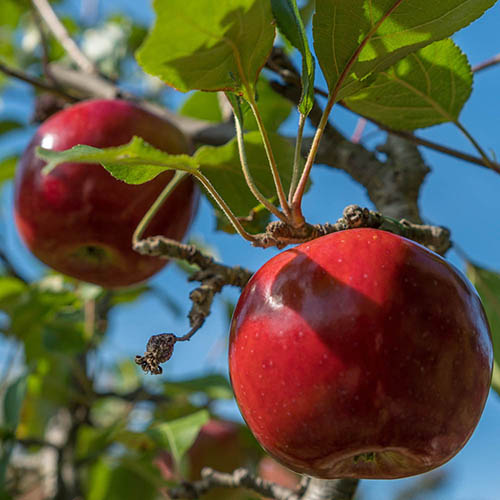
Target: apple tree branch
314, 489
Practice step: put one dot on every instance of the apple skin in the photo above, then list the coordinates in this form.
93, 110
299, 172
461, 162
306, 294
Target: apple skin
78, 219
360, 354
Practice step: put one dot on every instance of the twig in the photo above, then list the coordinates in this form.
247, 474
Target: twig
240, 478
45, 45
212, 276
438, 147
36, 82
493, 61
280, 235
282, 66
315, 489
59, 31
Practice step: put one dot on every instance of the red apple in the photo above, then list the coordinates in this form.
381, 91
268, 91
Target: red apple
360, 354
219, 445
79, 219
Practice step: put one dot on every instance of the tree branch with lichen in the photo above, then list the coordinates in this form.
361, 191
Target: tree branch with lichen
311, 489
213, 276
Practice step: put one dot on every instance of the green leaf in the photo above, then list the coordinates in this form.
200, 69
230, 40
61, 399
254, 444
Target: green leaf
8, 168
208, 45
9, 125
12, 404
65, 334
134, 163
178, 435
10, 288
13, 401
202, 106
487, 284
129, 478
358, 38
213, 386
291, 26
222, 167
423, 89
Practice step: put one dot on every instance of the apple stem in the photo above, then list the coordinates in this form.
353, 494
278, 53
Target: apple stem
296, 203
297, 157
476, 145
246, 171
330, 489
269, 152
224, 207
141, 227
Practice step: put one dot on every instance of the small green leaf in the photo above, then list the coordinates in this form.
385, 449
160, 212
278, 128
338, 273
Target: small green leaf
11, 409
10, 288
9, 125
13, 401
213, 386
131, 477
134, 163
358, 38
291, 26
178, 435
65, 334
487, 284
222, 167
208, 45
8, 168
425, 88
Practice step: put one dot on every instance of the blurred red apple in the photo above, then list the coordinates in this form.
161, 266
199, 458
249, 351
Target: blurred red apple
270, 470
360, 354
78, 219
220, 445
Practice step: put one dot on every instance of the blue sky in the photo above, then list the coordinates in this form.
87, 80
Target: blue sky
461, 196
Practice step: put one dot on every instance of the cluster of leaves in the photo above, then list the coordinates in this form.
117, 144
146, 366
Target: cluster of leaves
104, 422
109, 447
389, 61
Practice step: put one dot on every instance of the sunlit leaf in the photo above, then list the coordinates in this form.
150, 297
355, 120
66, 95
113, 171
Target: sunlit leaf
425, 88
208, 45
135, 163
357, 38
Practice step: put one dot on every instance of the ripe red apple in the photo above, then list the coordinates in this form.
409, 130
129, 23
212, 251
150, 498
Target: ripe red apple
79, 219
360, 354
219, 445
